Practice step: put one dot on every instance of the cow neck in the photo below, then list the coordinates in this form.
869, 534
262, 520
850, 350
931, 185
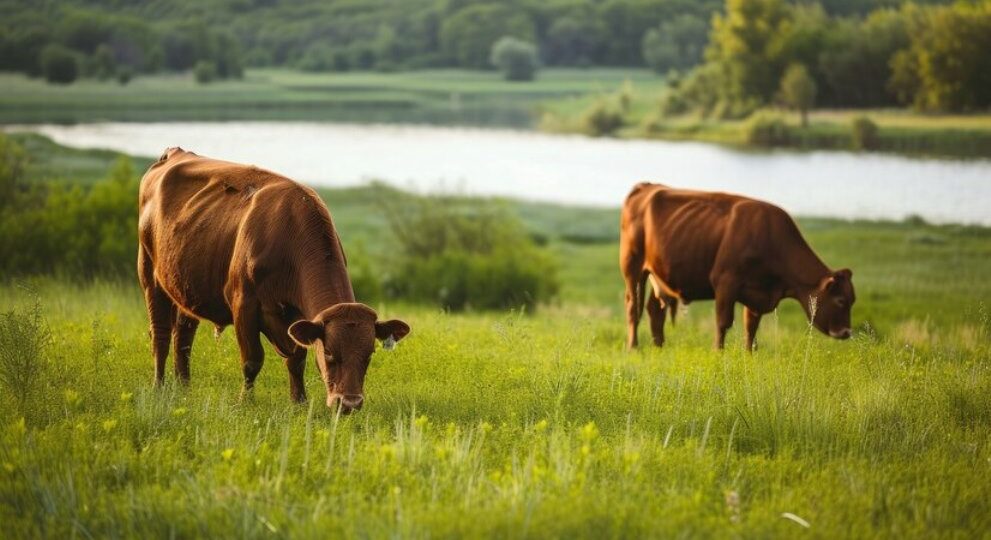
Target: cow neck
807, 271
322, 281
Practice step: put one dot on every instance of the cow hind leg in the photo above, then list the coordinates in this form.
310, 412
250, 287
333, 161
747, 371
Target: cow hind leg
161, 313
657, 313
182, 338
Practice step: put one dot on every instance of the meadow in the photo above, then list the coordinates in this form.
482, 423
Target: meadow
442, 96
516, 424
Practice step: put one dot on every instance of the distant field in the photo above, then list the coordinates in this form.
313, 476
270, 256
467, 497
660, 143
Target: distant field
434, 96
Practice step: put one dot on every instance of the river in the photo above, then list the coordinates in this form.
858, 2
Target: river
566, 168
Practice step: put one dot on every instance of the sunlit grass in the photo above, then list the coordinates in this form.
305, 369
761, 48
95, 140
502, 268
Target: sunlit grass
506, 424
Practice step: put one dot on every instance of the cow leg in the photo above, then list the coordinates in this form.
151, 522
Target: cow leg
296, 364
751, 320
657, 313
161, 314
631, 264
294, 356
182, 335
246, 327
726, 293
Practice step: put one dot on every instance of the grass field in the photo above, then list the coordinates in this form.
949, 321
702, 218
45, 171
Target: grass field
434, 96
513, 425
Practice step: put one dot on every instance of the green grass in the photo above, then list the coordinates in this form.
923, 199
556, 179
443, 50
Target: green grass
430, 96
502, 424
511, 425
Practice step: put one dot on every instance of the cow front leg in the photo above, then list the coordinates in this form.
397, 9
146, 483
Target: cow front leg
658, 314
296, 364
182, 335
246, 327
726, 293
751, 320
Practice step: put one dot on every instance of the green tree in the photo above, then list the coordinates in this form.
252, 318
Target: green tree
59, 65
676, 44
571, 41
744, 43
516, 58
467, 36
947, 66
798, 89
104, 64
856, 60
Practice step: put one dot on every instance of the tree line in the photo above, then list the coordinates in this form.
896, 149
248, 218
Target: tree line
763, 52
100, 37
726, 58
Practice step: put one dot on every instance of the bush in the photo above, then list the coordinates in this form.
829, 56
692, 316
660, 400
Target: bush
766, 129
467, 254
59, 65
124, 75
602, 118
24, 338
73, 232
205, 71
863, 133
517, 59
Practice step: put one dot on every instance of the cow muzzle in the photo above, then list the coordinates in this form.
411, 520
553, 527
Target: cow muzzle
346, 403
841, 334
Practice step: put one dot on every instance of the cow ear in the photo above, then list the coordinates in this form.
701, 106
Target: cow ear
305, 332
391, 331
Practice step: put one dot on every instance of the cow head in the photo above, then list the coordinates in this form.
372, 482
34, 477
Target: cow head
833, 299
343, 337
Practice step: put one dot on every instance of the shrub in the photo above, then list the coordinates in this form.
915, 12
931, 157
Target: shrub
205, 71
124, 75
863, 133
517, 59
602, 117
58, 64
76, 232
467, 254
766, 129
24, 338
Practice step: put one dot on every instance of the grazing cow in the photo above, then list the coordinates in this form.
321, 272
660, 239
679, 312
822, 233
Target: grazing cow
235, 244
697, 245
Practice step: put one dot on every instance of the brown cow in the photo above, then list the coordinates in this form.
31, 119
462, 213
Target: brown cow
234, 244
696, 245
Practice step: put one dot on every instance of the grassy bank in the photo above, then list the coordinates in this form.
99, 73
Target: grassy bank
898, 131
434, 96
502, 424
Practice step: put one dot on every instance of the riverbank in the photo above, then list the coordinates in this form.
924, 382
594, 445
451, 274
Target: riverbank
895, 131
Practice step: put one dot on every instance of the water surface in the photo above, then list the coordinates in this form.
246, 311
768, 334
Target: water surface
566, 168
